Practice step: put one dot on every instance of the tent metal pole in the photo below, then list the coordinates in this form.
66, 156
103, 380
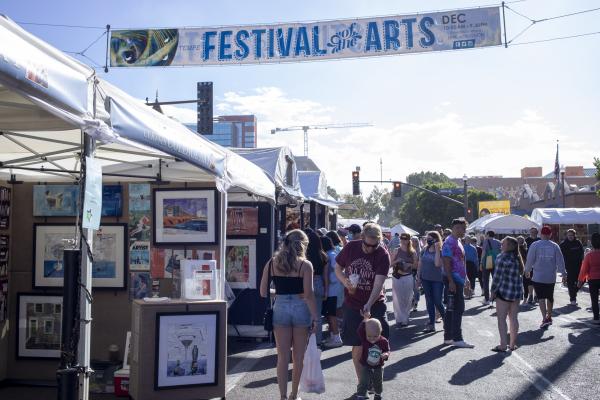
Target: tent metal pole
85, 308
222, 244
38, 156
138, 153
43, 139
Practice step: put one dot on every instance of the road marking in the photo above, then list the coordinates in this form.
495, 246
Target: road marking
244, 366
538, 380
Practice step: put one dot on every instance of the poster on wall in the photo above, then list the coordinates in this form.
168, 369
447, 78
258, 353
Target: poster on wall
240, 263
140, 285
4, 251
307, 41
40, 322
139, 212
3, 299
186, 349
165, 261
199, 254
185, 216
139, 256
292, 218
55, 200
198, 280
4, 207
108, 249
242, 221
112, 200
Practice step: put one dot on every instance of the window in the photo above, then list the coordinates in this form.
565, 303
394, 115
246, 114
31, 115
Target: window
48, 326
33, 327
38, 307
57, 308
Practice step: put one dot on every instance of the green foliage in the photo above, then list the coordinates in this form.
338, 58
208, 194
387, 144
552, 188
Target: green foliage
422, 210
358, 202
428, 177
333, 193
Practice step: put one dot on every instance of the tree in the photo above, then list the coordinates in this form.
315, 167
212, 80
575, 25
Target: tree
422, 210
333, 193
358, 202
424, 178
597, 165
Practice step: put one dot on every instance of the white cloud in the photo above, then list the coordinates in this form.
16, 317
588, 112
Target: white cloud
183, 115
448, 142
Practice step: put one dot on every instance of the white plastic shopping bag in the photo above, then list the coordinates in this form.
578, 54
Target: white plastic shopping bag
312, 379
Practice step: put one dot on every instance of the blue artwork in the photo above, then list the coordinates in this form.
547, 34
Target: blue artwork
112, 201
140, 285
55, 200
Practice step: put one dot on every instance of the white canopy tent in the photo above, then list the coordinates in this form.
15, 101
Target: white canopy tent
503, 224
566, 216
50, 102
279, 165
314, 188
399, 229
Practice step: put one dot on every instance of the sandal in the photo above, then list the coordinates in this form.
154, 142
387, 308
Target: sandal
497, 349
513, 348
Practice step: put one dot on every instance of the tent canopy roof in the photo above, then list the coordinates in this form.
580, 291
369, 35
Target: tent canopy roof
48, 95
399, 228
585, 216
279, 165
314, 188
503, 224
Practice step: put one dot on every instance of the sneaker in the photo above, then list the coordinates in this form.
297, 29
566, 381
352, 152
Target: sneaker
377, 397
429, 328
448, 342
360, 397
544, 323
462, 344
574, 303
487, 302
530, 300
549, 319
334, 341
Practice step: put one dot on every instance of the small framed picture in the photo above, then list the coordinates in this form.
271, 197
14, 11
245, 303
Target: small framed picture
108, 249
186, 349
185, 216
40, 324
240, 263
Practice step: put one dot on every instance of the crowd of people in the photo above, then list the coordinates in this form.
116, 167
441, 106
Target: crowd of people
339, 276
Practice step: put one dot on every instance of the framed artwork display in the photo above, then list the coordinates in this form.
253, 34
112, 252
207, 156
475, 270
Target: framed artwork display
140, 285
55, 200
4, 207
240, 263
40, 324
108, 249
186, 349
3, 299
112, 200
185, 216
242, 221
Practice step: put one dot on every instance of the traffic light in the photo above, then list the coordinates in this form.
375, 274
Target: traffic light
397, 189
205, 108
356, 183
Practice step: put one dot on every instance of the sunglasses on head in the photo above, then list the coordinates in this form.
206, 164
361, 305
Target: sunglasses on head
373, 246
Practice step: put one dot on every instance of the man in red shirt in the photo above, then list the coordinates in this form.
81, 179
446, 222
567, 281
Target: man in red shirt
362, 266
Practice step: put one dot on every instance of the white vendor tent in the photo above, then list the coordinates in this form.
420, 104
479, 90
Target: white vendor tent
399, 229
566, 216
314, 187
503, 224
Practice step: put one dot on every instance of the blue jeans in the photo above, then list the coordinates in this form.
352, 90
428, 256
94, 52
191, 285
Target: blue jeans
416, 292
433, 297
319, 289
291, 311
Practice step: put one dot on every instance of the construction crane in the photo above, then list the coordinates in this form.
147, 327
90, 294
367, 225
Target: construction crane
305, 128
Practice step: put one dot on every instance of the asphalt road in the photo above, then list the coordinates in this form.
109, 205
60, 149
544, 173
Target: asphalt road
562, 362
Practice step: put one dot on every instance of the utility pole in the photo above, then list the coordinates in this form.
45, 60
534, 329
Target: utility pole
465, 198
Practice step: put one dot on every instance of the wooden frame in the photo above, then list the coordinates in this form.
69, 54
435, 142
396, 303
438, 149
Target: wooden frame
184, 227
101, 273
186, 328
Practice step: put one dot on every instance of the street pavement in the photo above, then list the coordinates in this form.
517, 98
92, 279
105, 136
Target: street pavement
562, 362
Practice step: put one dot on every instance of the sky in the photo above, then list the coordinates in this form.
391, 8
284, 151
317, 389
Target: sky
479, 112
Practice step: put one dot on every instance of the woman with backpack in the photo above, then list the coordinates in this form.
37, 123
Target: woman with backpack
491, 249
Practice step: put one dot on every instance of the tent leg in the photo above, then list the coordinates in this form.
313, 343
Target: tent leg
83, 353
222, 243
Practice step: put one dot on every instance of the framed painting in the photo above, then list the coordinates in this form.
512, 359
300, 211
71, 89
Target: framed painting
186, 349
112, 200
55, 200
242, 221
240, 263
108, 249
185, 216
40, 322
4, 207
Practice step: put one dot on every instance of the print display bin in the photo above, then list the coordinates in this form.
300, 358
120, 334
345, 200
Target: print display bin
143, 350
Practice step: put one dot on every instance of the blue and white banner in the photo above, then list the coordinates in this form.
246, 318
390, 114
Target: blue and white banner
255, 44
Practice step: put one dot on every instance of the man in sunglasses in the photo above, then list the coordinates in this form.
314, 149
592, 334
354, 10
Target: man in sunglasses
362, 266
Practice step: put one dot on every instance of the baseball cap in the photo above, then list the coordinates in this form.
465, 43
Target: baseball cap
546, 230
354, 229
323, 231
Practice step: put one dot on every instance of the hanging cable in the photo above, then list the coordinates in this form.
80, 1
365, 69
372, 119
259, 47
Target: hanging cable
58, 25
557, 38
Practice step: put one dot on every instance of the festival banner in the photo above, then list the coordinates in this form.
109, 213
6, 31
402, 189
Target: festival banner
293, 42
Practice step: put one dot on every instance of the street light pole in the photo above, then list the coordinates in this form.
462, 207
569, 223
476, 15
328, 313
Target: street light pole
465, 198
562, 177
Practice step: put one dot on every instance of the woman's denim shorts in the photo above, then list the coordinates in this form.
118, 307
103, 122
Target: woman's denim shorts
291, 311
